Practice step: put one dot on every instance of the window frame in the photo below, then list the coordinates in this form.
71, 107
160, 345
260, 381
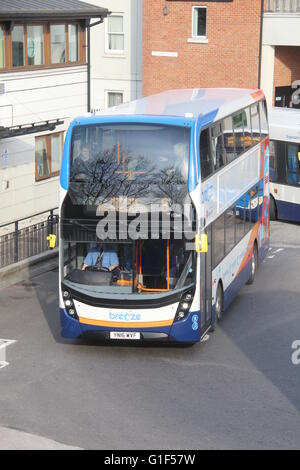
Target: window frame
48, 139
220, 122
108, 92
248, 223
8, 50
288, 171
199, 7
109, 51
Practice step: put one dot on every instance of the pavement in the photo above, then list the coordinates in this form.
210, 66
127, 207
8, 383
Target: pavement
238, 390
11, 439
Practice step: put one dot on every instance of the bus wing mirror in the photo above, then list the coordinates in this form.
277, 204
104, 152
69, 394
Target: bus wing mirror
51, 239
201, 242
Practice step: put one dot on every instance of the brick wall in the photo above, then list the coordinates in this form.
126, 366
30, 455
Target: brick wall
229, 59
287, 65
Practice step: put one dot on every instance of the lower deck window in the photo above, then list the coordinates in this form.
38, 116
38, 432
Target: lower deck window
236, 222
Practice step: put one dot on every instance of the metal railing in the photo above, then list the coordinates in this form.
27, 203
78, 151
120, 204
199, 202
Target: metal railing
26, 242
283, 6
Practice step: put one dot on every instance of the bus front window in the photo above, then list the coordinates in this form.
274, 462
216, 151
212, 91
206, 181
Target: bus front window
144, 267
145, 162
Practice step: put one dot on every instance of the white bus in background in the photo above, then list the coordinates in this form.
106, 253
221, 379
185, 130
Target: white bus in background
285, 164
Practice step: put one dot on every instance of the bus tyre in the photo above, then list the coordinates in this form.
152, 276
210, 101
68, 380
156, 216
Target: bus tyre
219, 306
273, 211
254, 264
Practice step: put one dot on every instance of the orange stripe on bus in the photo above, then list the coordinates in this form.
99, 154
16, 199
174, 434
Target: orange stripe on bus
126, 326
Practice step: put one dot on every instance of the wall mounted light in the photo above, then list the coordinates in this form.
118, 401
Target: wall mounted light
166, 10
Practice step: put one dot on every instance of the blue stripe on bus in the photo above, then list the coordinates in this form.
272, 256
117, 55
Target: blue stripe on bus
208, 119
288, 211
64, 173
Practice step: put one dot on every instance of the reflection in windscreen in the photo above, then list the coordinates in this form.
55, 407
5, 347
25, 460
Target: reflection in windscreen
145, 161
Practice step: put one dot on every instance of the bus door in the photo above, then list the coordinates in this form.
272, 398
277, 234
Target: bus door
206, 284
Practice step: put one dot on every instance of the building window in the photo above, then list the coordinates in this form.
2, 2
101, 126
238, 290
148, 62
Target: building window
58, 43
199, 22
18, 47
114, 99
35, 45
115, 34
48, 152
2, 61
73, 42
41, 45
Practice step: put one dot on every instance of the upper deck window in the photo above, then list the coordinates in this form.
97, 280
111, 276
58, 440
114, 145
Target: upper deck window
205, 155
148, 162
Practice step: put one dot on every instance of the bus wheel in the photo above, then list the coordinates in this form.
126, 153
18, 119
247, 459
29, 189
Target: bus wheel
254, 264
273, 210
219, 304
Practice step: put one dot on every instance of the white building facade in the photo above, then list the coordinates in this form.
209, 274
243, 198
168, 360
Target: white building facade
43, 77
116, 54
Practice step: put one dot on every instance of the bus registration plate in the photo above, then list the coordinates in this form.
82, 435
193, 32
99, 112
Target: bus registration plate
125, 335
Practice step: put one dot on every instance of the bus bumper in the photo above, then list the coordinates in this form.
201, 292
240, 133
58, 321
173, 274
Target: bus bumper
185, 331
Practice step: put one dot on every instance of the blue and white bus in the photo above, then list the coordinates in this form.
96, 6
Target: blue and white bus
138, 165
285, 164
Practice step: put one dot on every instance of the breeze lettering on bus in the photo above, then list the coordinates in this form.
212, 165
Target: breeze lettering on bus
126, 317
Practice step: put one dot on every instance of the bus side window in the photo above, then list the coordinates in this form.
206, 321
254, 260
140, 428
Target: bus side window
229, 229
218, 240
205, 155
247, 129
263, 119
293, 170
273, 161
255, 122
254, 205
239, 133
229, 140
240, 219
218, 148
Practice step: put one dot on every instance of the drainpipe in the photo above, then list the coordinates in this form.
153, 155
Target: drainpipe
260, 43
89, 88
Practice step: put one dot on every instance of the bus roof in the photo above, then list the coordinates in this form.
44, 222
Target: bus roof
189, 103
284, 124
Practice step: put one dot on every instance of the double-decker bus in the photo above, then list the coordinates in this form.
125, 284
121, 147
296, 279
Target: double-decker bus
285, 164
164, 213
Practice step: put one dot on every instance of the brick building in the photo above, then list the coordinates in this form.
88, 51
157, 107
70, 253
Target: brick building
230, 43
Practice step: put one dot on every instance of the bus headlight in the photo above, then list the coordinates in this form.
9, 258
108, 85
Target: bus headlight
184, 306
69, 305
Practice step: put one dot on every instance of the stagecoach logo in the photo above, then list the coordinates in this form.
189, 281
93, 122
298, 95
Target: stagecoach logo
208, 193
195, 324
4, 343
